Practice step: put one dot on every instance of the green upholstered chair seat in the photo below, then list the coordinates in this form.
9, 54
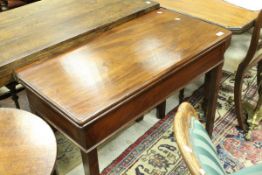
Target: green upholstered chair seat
197, 148
206, 153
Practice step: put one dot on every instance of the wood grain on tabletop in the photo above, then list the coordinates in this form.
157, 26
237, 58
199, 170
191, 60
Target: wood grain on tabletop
107, 70
45, 28
27, 144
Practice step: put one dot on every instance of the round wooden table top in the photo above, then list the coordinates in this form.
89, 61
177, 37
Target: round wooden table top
27, 144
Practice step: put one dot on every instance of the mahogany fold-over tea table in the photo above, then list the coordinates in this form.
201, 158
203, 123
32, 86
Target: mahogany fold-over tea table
97, 89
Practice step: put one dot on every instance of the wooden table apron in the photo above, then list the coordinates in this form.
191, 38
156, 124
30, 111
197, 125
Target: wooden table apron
93, 133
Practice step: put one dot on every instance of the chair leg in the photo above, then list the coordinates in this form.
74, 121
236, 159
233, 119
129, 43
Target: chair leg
238, 99
181, 95
13, 91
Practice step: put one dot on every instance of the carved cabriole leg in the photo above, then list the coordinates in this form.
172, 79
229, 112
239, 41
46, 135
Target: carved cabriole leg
161, 110
214, 77
255, 118
238, 99
90, 162
13, 91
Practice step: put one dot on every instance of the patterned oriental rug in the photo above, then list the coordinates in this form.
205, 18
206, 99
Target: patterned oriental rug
156, 152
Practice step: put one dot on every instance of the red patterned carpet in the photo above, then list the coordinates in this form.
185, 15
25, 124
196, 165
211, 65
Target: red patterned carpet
156, 153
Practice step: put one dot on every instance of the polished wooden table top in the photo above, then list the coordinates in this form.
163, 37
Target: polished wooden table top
218, 12
45, 28
93, 79
27, 144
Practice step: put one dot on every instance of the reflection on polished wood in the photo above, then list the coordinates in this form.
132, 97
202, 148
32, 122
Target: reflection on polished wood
95, 90
118, 63
45, 28
218, 12
27, 144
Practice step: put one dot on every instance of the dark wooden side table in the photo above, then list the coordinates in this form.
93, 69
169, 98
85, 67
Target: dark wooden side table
27, 144
93, 91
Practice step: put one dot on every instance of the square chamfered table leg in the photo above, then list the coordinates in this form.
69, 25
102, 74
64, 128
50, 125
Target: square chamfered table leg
161, 110
212, 82
90, 162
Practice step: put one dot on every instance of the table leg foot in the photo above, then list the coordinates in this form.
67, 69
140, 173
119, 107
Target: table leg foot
140, 119
90, 162
161, 110
212, 83
254, 117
